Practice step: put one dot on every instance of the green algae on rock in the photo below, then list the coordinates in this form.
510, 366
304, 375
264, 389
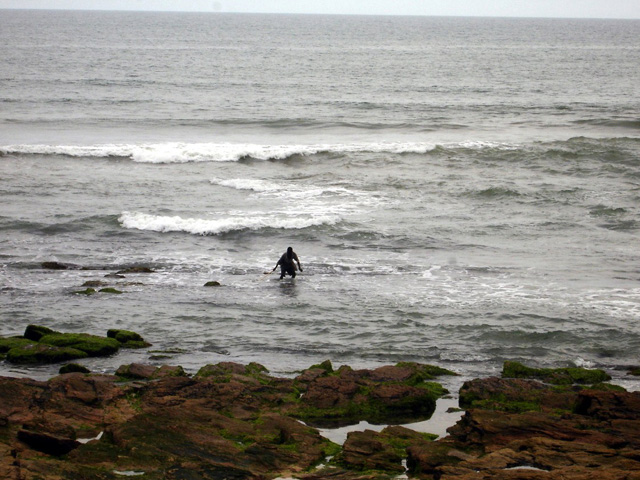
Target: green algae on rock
556, 376
37, 354
42, 345
390, 394
92, 345
127, 338
36, 332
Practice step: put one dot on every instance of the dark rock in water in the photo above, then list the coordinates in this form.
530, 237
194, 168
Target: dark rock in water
57, 266
139, 269
36, 332
212, 283
110, 290
47, 443
88, 291
128, 339
73, 368
114, 275
94, 283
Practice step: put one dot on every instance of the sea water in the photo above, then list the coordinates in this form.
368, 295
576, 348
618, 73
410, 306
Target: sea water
460, 191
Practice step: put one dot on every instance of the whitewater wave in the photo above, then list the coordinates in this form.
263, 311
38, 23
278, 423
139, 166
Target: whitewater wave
200, 226
290, 190
177, 152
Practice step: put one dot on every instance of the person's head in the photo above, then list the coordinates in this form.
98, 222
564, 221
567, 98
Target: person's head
289, 252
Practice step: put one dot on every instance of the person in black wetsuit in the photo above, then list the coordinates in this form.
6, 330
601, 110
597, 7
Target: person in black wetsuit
287, 267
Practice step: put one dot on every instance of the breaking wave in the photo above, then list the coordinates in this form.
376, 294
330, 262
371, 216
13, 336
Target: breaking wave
178, 152
199, 226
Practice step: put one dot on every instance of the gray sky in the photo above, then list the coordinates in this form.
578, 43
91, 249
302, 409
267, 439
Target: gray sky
500, 8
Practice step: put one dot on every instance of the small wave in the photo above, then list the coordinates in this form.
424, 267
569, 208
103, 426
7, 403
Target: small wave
496, 192
604, 211
611, 122
199, 226
294, 191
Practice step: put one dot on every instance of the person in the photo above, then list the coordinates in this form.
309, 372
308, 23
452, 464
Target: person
287, 267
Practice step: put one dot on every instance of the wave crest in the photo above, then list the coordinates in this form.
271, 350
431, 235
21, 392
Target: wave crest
199, 226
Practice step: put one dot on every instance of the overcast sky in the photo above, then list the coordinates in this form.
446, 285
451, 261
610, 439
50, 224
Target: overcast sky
500, 8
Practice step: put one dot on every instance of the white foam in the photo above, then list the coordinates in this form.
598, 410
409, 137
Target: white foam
289, 190
179, 152
199, 226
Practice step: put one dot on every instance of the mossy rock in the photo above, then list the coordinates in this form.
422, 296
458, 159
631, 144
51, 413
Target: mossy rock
128, 339
8, 343
73, 368
92, 345
36, 332
88, 291
556, 376
110, 290
424, 372
124, 336
38, 354
224, 370
212, 283
326, 366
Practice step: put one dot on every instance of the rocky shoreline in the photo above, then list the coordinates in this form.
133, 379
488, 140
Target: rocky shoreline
233, 421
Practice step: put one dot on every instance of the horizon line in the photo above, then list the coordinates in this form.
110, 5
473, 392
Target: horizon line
525, 17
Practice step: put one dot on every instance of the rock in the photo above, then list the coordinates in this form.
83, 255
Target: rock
389, 395
128, 339
36, 332
236, 421
94, 283
568, 432
368, 451
73, 368
212, 283
88, 291
110, 290
7, 344
136, 371
138, 269
57, 266
92, 345
557, 376
36, 354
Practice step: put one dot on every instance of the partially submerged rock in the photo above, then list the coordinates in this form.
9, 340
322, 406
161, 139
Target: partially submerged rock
128, 339
42, 345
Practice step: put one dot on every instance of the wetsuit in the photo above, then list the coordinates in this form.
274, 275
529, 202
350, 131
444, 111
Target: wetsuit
287, 267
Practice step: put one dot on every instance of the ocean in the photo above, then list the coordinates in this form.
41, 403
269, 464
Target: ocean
460, 191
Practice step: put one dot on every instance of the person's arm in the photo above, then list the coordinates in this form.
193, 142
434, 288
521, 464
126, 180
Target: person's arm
278, 263
297, 260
